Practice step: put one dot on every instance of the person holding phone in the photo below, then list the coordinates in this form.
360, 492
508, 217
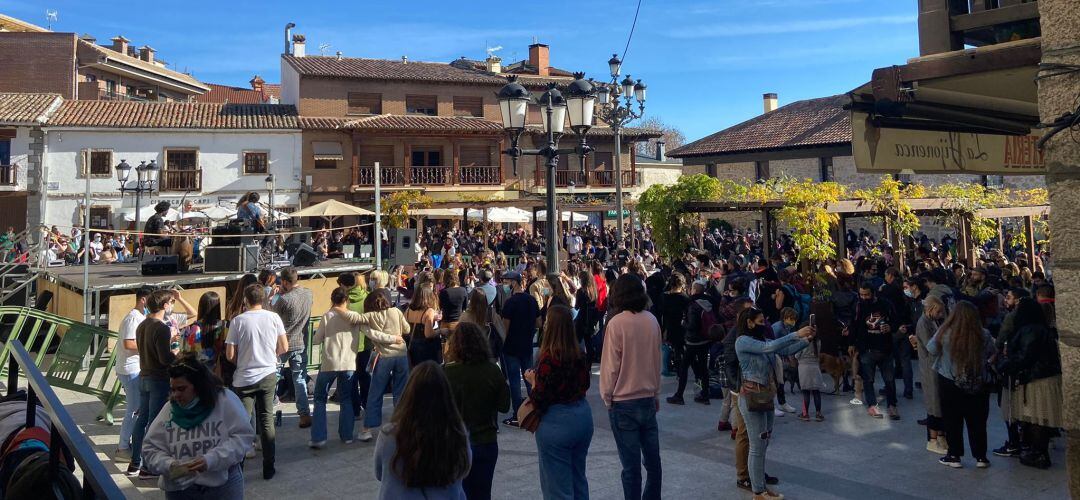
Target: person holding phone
198, 441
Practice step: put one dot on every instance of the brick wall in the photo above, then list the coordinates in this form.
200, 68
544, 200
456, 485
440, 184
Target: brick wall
37, 62
329, 97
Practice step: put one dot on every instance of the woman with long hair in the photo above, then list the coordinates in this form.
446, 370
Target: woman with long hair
673, 306
757, 357
963, 348
1033, 362
425, 341
197, 443
206, 335
236, 299
452, 299
481, 393
385, 327
588, 315
559, 384
928, 324
424, 452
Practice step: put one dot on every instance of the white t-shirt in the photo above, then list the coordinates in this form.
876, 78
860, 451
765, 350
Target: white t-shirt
127, 360
573, 244
255, 335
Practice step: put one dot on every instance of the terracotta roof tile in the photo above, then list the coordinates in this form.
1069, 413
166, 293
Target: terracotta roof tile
143, 65
234, 95
26, 109
323, 122
385, 69
628, 133
272, 89
126, 114
426, 123
813, 122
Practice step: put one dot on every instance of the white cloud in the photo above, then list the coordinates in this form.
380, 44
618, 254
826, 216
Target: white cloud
781, 27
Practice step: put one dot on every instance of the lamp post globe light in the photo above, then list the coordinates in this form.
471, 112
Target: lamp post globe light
578, 106
146, 177
617, 109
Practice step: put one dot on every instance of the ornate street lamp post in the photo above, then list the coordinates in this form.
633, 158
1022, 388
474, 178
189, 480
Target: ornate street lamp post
146, 176
578, 106
617, 109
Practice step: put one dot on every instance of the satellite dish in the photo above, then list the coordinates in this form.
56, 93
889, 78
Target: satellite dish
323, 47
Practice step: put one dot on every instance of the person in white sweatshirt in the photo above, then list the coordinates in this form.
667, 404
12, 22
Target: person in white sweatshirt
197, 443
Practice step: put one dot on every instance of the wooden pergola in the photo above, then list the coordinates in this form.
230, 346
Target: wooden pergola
847, 209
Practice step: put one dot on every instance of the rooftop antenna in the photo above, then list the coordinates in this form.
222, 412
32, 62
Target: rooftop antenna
323, 47
51, 15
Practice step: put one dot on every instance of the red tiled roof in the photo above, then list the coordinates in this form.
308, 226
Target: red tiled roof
323, 122
234, 95
426, 123
385, 69
25, 108
126, 114
272, 90
813, 122
628, 133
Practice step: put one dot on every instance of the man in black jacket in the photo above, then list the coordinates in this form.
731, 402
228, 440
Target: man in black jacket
872, 328
892, 291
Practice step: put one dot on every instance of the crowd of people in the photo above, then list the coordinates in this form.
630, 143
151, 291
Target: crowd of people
454, 341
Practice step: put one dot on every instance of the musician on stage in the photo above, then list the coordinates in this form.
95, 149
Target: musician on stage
155, 228
247, 210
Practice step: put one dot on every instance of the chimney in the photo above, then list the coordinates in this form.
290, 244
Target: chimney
338, 55
87, 37
661, 150
494, 64
404, 59
298, 45
770, 102
540, 58
257, 84
120, 44
146, 53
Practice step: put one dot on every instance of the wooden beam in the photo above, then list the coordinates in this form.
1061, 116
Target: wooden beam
1029, 231
766, 234
993, 17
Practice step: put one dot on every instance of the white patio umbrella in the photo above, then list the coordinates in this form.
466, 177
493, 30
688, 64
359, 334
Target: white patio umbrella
129, 216
565, 216
217, 212
438, 213
502, 214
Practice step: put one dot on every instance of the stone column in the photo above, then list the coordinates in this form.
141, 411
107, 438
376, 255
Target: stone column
36, 189
1060, 22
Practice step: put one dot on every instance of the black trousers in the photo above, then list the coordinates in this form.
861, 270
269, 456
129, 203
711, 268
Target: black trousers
691, 356
959, 409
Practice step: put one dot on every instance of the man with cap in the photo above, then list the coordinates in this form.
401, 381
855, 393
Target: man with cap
520, 314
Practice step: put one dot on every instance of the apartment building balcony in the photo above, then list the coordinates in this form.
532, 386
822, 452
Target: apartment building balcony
180, 180
8, 175
430, 176
591, 179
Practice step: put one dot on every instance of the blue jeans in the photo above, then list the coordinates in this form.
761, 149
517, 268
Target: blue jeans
387, 370
758, 430
345, 413
153, 392
233, 489
477, 484
132, 399
515, 368
562, 441
883, 362
297, 367
637, 435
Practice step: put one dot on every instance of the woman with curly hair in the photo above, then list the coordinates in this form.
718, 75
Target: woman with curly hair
481, 393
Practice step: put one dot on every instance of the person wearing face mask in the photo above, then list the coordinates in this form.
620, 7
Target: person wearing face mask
894, 291
1011, 448
872, 330
197, 443
153, 338
927, 326
127, 371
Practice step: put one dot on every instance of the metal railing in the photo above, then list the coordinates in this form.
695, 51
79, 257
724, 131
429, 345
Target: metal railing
389, 176
9, 175
440, 175
66, 437
480, 175
592, 178
606, 178
431, 176
180, 180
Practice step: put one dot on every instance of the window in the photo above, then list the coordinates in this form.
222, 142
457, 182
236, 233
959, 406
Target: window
255, 162
181, 159
474, 155
903, 178
362, 103
101, 163
602, 161
468, 106
426, 157
994, 181
710, 170
99, 217
326, 164
826, 169
761, 170
422, 105
110, 86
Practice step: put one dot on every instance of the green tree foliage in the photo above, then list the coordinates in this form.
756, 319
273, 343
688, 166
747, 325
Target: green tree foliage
396, 206
805, 214
661, 206
889, 198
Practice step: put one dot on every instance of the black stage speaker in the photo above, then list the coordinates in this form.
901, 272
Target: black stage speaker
234, 259
304, 256
158, 265
231, 235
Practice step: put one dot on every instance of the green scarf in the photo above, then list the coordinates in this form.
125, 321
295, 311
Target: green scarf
189, 418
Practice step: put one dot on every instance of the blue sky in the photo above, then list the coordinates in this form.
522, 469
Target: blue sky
706, 62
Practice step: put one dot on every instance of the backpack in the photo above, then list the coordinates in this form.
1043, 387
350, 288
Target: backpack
708, 320
802, 302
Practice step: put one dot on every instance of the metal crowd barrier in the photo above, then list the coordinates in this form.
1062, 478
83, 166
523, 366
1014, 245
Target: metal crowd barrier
66, 438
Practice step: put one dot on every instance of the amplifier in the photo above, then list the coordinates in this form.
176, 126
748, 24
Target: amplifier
159, 265
231, 259
231, 235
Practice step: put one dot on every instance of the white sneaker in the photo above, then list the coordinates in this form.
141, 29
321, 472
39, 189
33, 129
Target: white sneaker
250, 453
778, 412
348, 441
316, 444
787, 408
934, 447
365, 436
855, 401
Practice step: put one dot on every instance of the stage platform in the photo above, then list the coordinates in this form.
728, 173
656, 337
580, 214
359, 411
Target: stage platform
117, 277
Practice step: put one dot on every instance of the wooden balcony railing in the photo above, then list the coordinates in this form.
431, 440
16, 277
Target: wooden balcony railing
443, 175
180, 180
8, 176
593, 178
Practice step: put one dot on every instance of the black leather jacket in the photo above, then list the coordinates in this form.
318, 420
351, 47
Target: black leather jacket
1033, 354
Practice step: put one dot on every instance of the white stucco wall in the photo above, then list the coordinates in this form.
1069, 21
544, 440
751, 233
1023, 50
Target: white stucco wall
220, 157
290, 84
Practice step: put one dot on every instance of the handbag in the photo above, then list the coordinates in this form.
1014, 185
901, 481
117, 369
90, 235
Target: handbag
758, 397
527, 415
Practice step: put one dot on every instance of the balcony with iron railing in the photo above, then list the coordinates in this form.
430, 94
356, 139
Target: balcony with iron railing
591, 179
442, 175
9, 175
180, 180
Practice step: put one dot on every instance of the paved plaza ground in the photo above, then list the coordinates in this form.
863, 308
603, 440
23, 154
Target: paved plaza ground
849, 456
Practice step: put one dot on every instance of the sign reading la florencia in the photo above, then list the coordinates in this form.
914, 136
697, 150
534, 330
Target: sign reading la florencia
923, 151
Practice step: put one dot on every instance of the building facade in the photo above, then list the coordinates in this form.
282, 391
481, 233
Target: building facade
22, 149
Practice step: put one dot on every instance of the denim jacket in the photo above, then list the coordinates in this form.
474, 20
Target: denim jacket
756, 357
